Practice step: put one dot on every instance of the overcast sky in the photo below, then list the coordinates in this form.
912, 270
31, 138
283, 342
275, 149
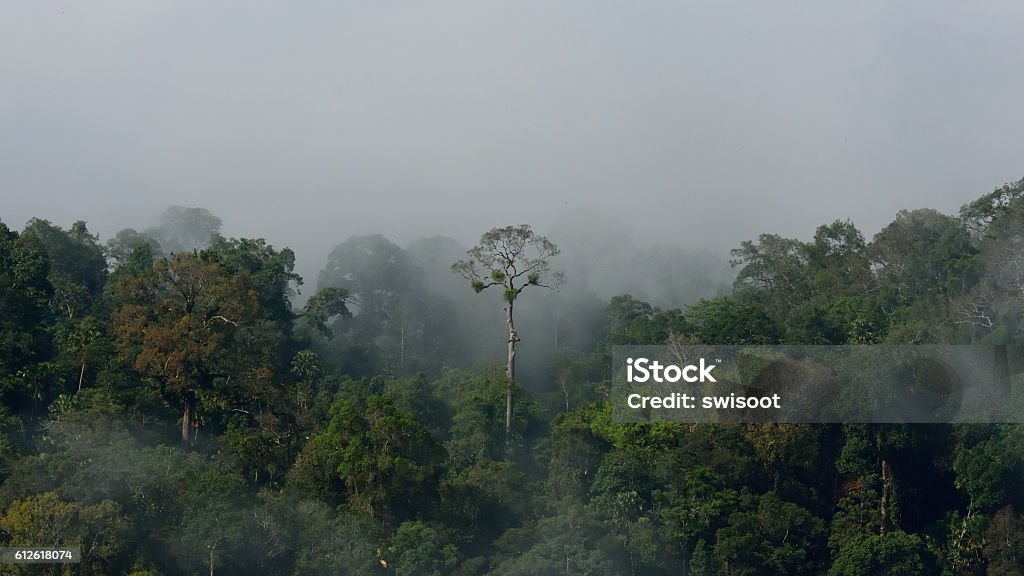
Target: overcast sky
704, 123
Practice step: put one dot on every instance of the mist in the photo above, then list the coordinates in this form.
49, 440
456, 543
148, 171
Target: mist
694, 126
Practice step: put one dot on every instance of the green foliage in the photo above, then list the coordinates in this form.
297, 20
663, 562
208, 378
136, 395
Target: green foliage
770, 536
343, 543
477, 425
738, 319
922, 254
77, 269
418, 549
894, 554
631, 321
270, 272
572, 540
990, 470
306, 365
130, 245
385, 458
981, 213
509, 295
486, 499
25, 294
324, 306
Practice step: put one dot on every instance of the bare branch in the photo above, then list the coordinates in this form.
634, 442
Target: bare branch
222, 319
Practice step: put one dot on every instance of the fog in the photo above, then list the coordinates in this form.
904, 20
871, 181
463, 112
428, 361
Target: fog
694, 125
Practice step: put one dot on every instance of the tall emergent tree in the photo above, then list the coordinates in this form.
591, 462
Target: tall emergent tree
512, 257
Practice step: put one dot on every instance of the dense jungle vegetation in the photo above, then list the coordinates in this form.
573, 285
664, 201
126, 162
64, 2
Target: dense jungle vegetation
166, 406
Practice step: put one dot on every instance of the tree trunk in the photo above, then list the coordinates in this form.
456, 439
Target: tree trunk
884, 503
188, 419
81, 375
510, 367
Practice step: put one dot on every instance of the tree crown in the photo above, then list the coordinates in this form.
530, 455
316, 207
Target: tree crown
513, 257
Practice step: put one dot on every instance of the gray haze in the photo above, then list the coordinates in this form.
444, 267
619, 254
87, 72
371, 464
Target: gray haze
699, 124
